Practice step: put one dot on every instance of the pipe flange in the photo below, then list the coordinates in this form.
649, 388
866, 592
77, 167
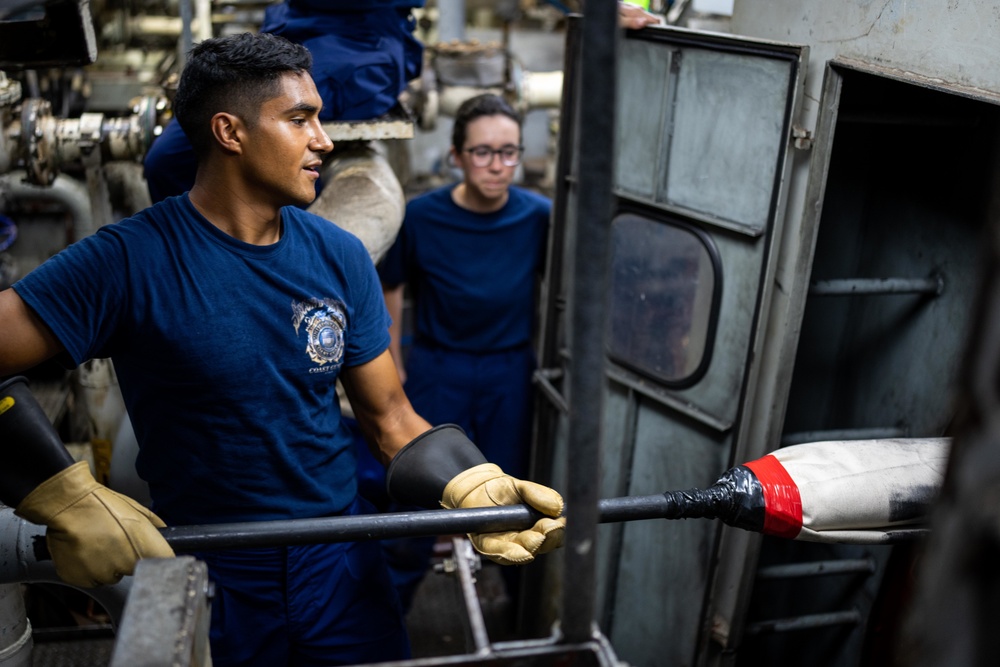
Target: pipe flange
147, 111
37, 151
10, 91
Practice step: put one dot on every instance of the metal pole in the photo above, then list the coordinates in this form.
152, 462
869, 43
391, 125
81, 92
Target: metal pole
186, 41
398, 524
849, 286
818, 569
463, 556
348, 528
805, 622
594, 205
451, 20
23, 548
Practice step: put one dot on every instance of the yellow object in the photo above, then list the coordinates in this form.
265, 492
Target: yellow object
640, 3
486, 485
95, 536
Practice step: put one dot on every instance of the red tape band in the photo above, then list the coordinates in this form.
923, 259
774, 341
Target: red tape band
782, 505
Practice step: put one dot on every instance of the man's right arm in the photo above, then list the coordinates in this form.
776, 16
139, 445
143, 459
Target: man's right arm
25, 340
95, 536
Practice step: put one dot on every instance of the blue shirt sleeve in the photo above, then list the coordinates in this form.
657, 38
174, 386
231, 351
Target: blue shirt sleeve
80, 294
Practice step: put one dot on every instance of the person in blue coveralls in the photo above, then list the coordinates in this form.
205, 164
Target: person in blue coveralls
471, 254
230, 313
363, 56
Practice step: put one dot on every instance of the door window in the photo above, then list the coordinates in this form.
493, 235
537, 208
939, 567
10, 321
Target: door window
665, 284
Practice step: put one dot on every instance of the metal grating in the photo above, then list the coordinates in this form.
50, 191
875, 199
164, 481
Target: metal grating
75, 653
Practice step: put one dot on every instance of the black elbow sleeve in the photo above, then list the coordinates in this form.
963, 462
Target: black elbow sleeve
31, 449
418, 474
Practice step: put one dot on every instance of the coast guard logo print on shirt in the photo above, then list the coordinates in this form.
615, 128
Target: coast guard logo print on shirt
324, 322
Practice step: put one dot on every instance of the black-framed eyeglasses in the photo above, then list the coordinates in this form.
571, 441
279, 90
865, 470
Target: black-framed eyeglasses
482, 156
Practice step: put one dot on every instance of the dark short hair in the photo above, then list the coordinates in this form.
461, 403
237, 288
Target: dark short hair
234, 74
477, 107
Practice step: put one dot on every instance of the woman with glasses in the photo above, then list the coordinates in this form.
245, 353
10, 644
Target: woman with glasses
471, 254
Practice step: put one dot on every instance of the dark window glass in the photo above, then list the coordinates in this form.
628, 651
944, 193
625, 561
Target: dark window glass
664, 285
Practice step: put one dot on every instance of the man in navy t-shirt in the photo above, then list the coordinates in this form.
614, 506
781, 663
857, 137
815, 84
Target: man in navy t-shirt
230, 314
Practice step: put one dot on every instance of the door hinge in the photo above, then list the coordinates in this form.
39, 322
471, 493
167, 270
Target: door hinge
803, 138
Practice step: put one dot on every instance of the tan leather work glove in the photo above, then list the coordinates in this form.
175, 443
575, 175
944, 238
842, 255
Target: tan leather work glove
95, 536
486, 485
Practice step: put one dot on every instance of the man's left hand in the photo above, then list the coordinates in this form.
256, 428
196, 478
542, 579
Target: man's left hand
486, 485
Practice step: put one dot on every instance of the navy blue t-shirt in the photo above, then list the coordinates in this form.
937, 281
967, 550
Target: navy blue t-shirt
227, 354
472, 275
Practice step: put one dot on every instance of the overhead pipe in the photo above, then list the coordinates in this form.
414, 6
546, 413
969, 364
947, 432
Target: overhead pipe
534, 90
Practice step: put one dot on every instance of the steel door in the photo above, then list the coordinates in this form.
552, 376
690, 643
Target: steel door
704, 130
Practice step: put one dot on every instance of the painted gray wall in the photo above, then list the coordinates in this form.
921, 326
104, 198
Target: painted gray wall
955, 41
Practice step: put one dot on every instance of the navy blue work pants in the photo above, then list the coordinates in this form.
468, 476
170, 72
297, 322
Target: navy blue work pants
488, 395
304, 606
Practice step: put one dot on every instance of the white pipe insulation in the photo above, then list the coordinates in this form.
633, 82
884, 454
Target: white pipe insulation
362, 194
541, 90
